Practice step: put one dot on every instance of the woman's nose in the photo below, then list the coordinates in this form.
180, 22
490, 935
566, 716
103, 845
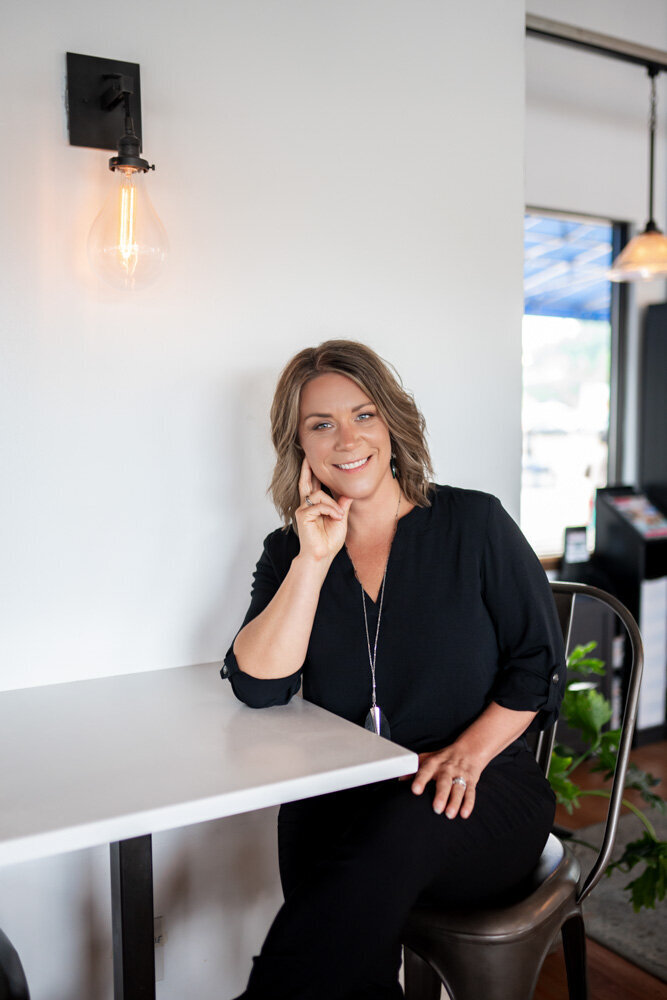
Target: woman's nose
347, 436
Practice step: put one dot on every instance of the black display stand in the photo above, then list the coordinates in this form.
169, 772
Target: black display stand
628, 558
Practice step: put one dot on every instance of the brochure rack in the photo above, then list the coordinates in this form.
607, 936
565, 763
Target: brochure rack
631, 548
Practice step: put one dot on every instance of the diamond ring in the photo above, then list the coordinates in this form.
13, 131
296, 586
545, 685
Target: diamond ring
460, 781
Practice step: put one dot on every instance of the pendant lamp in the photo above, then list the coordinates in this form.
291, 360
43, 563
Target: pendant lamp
645, 256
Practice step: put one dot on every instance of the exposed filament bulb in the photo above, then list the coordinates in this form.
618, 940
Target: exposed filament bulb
127, 244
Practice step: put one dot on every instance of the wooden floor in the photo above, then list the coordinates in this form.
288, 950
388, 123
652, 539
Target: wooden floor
610, 977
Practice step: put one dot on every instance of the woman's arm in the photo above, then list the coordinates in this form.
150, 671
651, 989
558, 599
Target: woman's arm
531, 672
274, 644
467, 757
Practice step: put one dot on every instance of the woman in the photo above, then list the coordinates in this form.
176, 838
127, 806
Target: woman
416, 610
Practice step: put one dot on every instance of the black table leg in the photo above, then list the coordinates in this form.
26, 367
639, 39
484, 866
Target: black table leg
132, 919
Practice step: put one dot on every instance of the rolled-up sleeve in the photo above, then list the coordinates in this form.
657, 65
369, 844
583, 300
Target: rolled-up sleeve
258, 692
518, 597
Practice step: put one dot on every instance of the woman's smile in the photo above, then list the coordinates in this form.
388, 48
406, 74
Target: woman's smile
354, 466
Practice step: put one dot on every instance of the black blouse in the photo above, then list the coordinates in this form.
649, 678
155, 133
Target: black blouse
468, 617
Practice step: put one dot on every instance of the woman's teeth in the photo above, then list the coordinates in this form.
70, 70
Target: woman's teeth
353, 465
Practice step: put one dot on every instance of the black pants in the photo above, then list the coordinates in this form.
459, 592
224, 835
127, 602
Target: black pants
353, 863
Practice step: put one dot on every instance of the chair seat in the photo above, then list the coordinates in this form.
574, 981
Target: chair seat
551, 885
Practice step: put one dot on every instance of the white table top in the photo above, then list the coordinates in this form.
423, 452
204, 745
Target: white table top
95, 761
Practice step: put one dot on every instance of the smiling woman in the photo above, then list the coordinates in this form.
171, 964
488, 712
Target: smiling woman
295, 405
366, 478
385, 589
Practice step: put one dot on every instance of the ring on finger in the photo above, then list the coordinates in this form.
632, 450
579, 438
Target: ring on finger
309, 501
460, 781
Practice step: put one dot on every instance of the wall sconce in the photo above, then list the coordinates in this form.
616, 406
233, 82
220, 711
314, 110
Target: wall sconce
127, 244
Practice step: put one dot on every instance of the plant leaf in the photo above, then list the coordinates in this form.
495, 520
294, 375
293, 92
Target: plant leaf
607, 753
651, 884
579, 660
567, 793
644, 782
579, 652
589, 666
587, 711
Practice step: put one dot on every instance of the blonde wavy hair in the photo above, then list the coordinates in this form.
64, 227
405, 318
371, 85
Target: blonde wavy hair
396, 406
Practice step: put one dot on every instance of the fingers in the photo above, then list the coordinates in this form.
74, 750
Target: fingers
311, 512
322, 503
427, 769
451, 797
308, 481
310, 486
448, 796
305, 479
468, 802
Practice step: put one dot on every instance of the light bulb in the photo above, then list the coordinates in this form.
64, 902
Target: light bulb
127, 244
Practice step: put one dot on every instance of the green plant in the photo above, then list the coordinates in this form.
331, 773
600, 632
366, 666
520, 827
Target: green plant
587, 711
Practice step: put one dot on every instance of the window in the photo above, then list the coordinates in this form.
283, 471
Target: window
569, 412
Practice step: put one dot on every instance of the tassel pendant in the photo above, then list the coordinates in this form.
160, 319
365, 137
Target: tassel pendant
377, 723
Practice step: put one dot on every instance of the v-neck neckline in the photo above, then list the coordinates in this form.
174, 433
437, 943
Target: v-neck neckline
374, 603
410, 516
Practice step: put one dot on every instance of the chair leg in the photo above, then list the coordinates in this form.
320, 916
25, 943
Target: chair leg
478, 968
421, 982
574, 948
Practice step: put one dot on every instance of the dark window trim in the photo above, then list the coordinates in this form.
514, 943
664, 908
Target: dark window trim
619, 348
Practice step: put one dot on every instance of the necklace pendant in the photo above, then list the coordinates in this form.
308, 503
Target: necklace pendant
377, 723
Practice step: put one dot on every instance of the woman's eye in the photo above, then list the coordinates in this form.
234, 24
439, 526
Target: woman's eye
360, 416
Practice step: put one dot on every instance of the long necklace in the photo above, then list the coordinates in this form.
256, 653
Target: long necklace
376, 721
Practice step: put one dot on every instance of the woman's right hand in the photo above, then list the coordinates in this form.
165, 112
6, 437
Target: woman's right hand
322, 523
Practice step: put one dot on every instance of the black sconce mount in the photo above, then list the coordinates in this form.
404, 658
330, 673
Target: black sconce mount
104, 108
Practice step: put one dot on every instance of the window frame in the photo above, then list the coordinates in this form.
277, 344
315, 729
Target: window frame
618, 317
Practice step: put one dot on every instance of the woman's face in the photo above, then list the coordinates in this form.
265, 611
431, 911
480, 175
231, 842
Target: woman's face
339, 427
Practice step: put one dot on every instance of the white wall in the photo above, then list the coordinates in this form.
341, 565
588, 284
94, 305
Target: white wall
324, 169
587, 141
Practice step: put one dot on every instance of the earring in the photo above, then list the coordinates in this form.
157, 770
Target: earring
392, 466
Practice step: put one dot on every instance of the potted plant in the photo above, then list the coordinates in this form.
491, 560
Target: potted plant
587, 711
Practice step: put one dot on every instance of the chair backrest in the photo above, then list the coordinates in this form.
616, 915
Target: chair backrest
544, 744
565, 597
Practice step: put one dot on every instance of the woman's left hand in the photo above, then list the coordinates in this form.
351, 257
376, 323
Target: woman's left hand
443, 766
466, 758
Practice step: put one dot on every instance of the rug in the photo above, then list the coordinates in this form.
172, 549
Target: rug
608, 914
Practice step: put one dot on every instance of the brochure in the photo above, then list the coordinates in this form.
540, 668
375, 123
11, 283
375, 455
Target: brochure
641, 513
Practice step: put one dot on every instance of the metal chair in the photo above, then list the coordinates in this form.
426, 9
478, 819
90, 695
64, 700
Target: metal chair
496, 953
13, 985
